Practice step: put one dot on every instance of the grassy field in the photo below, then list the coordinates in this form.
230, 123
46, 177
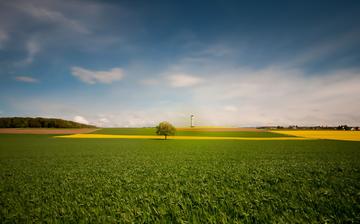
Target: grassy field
46, 179
151, 131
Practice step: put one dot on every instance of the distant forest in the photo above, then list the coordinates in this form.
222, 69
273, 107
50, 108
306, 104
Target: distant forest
39, 122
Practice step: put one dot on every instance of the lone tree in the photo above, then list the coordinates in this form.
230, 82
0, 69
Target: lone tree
165, 128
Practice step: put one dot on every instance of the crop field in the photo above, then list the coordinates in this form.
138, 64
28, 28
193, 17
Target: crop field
323, 134
75, 180
186, 132
188, 137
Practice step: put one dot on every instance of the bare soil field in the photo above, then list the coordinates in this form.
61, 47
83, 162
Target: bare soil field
45, 131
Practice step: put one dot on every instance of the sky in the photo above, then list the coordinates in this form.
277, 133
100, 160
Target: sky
136, 63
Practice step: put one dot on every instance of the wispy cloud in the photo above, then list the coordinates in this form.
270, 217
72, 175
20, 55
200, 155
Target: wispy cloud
93, 76
26, 79
32, 48
327, 47
183, 80
49, 15
278, 95
39, 25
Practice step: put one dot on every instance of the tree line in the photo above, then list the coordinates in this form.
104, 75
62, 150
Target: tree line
39, 122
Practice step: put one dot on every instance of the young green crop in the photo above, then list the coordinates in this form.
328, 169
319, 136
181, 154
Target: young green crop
152, 131
45, 179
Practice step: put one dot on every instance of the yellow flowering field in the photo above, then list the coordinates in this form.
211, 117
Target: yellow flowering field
320, 134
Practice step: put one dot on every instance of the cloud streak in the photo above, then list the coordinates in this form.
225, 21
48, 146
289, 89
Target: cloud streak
91, 76
27, 79
183, 80
46, 14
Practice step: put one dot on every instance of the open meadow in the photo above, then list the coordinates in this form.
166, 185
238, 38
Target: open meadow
47, 179
179, 111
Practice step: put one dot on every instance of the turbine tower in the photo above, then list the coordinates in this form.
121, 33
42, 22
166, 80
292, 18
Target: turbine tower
191, 121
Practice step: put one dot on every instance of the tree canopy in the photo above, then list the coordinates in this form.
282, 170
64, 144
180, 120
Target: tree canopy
166, 129
39, 122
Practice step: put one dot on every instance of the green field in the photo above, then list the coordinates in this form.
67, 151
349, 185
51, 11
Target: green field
46, 179
151, 131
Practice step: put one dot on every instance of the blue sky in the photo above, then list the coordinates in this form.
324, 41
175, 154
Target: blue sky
135, 63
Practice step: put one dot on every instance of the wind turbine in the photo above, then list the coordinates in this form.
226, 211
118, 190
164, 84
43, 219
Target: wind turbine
191, 121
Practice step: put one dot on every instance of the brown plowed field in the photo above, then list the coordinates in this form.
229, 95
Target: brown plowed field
45, 131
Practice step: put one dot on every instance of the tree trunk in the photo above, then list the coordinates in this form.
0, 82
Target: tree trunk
165, 137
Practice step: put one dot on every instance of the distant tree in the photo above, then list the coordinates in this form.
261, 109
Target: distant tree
34, 123
28, 122
343, 127
18, 122
166, 129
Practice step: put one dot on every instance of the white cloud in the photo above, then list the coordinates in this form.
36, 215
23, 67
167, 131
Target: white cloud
80, 119
26, 79
279, 96
183, 80
242, 97
102, 122
92, 77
